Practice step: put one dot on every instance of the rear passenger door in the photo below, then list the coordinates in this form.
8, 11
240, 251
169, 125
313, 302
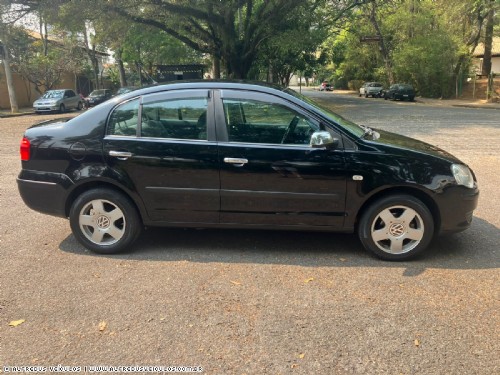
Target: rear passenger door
165, 146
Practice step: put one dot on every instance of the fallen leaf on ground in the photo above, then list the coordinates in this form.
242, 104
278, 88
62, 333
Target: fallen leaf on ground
417, 343
235, 282
102, 326
301, 355
15, 323
309, 280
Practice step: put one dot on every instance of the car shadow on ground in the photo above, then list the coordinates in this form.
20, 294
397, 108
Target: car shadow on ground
476, 248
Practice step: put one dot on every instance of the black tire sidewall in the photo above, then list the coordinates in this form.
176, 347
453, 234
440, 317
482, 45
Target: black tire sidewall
364, 228
133, 225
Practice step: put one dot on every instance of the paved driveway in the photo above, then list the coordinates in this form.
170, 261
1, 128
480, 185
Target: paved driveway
256, 302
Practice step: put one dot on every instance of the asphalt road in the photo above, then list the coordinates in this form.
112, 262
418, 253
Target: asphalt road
258, 302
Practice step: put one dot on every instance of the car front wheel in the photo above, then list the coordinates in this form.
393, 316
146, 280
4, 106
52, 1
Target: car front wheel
104, 221
62, 108
396, 227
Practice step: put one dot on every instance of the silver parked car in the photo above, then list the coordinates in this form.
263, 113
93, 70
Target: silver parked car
372, 89
58, 100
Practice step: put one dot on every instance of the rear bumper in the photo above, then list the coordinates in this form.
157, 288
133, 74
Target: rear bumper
45, 193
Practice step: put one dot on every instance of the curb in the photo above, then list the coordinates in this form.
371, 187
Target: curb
485, 106
17, 114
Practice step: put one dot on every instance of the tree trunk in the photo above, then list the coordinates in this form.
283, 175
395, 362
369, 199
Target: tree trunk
121, 68
216, 67
8, 77
383, 47
488, 41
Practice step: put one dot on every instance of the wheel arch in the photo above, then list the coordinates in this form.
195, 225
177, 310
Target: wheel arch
417, 193
77, 191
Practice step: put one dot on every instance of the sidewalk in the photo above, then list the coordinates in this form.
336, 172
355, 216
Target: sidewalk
22, 112
466, 103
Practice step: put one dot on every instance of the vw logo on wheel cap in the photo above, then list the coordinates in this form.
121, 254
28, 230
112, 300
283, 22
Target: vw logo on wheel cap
103, 222
397, 229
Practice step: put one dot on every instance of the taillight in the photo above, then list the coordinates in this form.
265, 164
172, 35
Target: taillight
25, 149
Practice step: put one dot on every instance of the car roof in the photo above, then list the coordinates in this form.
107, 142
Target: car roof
209, 85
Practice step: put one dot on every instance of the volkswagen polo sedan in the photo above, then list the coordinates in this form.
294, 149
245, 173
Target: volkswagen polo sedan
240, 155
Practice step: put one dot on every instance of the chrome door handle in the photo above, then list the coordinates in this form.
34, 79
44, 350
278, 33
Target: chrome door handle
238, 162
120, 155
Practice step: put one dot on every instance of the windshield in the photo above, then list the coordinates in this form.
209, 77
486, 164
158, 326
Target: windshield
350, 126
98, 93
53, 94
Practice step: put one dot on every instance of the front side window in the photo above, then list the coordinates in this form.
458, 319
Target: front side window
123, 121
177, 118
252, 121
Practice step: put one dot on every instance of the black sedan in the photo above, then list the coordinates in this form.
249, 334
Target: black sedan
236, 155
97, 97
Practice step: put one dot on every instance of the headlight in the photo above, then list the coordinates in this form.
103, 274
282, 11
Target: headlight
462, 175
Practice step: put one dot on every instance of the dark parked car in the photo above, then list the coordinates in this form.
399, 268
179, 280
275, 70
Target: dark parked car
97, 97
400, 91
124, 90
236, 155
58, 100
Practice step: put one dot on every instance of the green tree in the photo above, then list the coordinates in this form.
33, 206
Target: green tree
5, 30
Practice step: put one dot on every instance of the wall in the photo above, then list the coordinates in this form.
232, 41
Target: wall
25, 91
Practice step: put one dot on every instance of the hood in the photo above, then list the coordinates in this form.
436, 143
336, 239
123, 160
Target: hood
403, 143
45, 100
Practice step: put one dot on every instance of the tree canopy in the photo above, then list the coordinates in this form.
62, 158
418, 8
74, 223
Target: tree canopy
428, 43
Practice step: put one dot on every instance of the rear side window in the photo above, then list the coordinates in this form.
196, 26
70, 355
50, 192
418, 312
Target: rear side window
176, 118
124, 119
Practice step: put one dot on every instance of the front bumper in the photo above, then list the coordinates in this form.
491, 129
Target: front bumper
46, 108
456, 209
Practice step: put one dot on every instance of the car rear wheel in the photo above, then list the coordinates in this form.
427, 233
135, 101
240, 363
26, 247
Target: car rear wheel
397, 227
79, 106
104, 221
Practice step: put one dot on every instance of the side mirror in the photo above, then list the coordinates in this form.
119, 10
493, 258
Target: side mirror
323, 139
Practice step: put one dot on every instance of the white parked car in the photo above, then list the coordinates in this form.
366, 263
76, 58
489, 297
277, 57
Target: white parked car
58, 100
372, 89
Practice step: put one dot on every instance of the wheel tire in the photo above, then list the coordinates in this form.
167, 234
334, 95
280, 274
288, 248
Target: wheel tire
62, 108
385, 97
396, 227
79, 106
360, 95
366, 95
104, 221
